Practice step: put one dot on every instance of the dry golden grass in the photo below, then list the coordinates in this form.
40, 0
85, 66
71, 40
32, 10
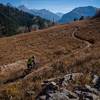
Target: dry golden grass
43, 44
57, 54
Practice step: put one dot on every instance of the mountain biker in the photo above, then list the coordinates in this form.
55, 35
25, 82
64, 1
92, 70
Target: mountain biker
31, 63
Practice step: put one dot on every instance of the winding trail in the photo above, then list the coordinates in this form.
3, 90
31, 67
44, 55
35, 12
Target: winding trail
27, 73
88, 44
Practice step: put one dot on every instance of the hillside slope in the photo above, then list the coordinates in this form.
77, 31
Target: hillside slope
59, 50
13, 21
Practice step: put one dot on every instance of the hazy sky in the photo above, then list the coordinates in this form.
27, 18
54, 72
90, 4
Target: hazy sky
54, 5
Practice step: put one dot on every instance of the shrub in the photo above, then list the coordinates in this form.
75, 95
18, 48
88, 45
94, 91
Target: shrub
58, 67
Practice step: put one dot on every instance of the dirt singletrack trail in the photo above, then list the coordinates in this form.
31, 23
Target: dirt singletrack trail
88, 44
23, 67
47, 65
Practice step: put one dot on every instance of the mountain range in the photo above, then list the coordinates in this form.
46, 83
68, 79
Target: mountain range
13, 21
77, 13
42, 13
87, 11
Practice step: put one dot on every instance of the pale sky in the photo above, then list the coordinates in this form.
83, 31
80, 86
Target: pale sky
54, 5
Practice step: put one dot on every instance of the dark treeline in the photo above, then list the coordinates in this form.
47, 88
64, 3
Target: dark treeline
13, 21
97, 14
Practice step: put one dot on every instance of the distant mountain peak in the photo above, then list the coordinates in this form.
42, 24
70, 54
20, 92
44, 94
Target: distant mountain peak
9, 4
59, 14
44, 13
87, 11
43, 10
22, 6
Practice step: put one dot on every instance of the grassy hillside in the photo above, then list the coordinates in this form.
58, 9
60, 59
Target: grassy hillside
58, 50
12, 20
